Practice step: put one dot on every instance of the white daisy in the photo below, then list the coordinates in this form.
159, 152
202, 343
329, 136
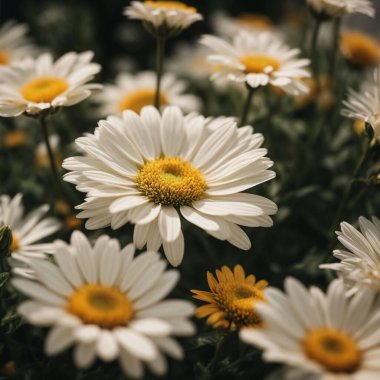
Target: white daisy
360, 264
108, 304
258, 59
164, 17
14, 45
321, 336
41, 84
339, 8
149, 169
134, 91
26, 231
365, 104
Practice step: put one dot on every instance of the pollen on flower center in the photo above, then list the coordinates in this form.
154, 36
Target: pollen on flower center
259, 64
335, 350
171, 181
174, 5
136, 100
44, 89
15, 243
4, 57
101, 305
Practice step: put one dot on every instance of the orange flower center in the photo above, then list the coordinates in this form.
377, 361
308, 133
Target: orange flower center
171, 5
44, 89
138, 99
4, 57
259, 64
15, 243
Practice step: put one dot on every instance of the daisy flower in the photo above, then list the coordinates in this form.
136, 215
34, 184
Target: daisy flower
321, 336
365, 104
133, 92
230, 302
40, 84
106, 303
14, 45
258, 59
148, 169
339, 8
163, 17
359, 49
360, 264
27, 231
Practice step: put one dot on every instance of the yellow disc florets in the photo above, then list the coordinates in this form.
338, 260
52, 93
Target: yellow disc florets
44, 89
259, 64
138, 99
171, 181
171, 5
101, 305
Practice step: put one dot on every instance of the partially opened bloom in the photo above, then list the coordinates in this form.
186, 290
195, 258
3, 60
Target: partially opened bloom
360, 264
148, 169
14, 45
163, 17
320, 336
365, 104
106, 303
258, 59
27, 231
40, 84
230, 303
339, 8
134, 91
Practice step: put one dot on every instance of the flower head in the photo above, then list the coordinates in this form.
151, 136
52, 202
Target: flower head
258, 59
148, 169
320, 336
365, 104
40, 84
339, 8
360, 265
133, 92
27, 231
106, 303
14, 45
165, 18
230, 304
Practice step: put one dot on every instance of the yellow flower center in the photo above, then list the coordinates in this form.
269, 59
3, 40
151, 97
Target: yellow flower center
334, 350
359, 49
15, 243
44, 89
139, 99
171, 181
14, 139
256, 21
171, 5
259, 64
4, 57
101, 305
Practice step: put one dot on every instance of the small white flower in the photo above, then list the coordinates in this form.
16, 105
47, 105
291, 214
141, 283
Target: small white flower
149, 169
14, 45
134, 91
108, 304
26, 231
40, 84
360, 264
320, 336
365, 104
339, 8
258, 59
164, 16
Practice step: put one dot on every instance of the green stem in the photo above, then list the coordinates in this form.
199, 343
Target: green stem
214, 361
335, 52
159, 68
244, 115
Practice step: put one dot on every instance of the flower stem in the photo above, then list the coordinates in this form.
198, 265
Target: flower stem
159, 68
336, 37
244, 115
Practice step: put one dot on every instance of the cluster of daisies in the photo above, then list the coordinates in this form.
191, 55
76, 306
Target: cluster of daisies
159, 168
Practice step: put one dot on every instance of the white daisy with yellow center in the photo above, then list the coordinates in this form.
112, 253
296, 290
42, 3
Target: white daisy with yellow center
319, 336
258, 59
339, 8
133, 92
108, 304
27, 231
163, 15
148, 169
43, 85
359, 265
364, 104
14, 44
